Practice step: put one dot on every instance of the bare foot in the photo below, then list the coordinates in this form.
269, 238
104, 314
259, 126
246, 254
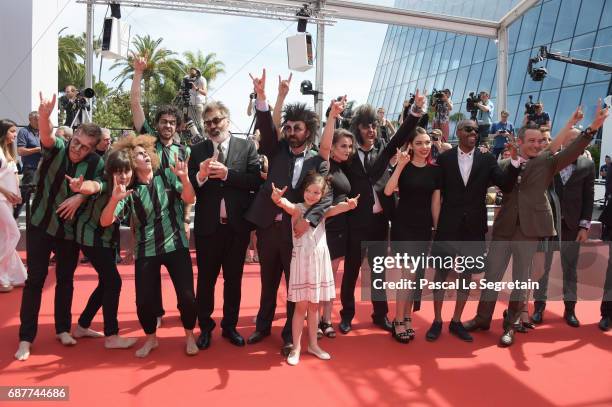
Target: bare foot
81, 332
318, 352
66, 339
191, 348
159, 322
23, 352
118, 342
150, 344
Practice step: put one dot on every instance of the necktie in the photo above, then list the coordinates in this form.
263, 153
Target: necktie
367, 162
221, 156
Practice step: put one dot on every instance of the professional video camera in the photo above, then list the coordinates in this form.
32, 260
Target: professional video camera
471, 107
530, 107
437, 95
186, 86
82, 96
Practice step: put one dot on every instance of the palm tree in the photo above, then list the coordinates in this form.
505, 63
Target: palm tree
162, 67
71, 54
208, 65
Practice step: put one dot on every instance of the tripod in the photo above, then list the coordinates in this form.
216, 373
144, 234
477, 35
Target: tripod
78, 117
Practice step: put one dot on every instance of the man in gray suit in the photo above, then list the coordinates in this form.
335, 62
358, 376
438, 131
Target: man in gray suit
575, 187
524, 218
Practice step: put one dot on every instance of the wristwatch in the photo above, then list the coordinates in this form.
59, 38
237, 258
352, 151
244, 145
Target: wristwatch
590, 132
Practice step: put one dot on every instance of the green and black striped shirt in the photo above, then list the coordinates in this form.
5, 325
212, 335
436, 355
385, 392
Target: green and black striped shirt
166, 153
89, 232
157, 211
52, 187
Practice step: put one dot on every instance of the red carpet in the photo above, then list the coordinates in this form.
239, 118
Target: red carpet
555, 365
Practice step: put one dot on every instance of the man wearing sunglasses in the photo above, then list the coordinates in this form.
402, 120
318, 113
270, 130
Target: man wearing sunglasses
524, 218
291, 156
467, 173
224, 171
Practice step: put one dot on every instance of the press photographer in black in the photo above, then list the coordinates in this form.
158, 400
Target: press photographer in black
423, 121
534, 112
441, 105
73, 103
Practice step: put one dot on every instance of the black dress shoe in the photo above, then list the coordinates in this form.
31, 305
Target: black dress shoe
345, 326
538, 312
570, 318
383, 323
604, 324
234, 337
476, 324
457, 329
203, 341
257, 336
434, 331
507, 339
520, 328
528, 325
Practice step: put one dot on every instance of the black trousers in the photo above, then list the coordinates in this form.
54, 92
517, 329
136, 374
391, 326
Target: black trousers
38, 246
26, 179
178, 264
377, 231
570, 250
106, 294
606, 302
483, 133
223, 249
274, 251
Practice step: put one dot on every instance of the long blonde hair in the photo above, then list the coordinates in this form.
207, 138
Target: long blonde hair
5, 126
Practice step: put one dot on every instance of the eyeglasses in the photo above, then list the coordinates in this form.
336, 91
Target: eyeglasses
296, 128
469, 129
214, 121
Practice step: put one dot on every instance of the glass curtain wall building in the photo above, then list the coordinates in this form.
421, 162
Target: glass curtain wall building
414, 58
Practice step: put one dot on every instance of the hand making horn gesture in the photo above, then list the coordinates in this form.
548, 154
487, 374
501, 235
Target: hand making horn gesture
352, 202
46, 106
120, 191
337, 107
277, 194
75, 184
420, 99
403, 157
180, 167
140, 63
600, 116
283, 85
512, 146
259, 84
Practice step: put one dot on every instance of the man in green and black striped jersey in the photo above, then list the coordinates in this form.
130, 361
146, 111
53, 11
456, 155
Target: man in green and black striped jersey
167, 119
155, 205
52, 224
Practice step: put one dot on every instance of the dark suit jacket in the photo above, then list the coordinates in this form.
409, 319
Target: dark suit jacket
527, 205
242, 178
578, 193
362, 181
263, 211
465, 204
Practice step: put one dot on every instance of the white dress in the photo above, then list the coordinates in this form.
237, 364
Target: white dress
311, 277
12, 271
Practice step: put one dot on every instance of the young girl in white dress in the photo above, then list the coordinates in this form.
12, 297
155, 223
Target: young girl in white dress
311, 278
12, 270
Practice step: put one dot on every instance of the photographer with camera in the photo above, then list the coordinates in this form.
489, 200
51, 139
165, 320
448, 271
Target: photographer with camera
73, 103
484, 116
500, 131
441, 106
423, 121
534, 112
194, 84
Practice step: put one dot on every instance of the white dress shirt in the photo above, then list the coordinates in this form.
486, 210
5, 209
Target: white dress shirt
224, 149
466, 160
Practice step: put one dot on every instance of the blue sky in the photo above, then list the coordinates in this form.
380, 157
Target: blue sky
351, 51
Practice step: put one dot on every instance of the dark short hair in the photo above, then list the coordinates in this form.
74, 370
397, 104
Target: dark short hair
117, 160
169, 110
531, 125
298, 112
339, 134
91, 130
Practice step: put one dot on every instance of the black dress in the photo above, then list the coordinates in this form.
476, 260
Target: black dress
336, 226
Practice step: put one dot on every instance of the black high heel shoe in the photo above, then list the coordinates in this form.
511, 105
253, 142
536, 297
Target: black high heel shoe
401, 337
411, 332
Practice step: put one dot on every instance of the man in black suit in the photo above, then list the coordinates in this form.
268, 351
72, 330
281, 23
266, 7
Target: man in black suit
466, 175
369, 221
224, 170
575, 186
291, 156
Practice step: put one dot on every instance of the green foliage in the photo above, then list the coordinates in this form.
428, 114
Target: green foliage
113, 110
595, 150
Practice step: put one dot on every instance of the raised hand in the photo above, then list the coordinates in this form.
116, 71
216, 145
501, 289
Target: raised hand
512, 146
577, 116
403, 157
140, 63
277, 194
120, 191
420, 99
180, 167
337, 107
259, 84
46, 106
352, 202
75, 184
600, 116
283, 85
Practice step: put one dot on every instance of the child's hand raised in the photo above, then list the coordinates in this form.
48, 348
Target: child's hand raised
353, 202
277, 194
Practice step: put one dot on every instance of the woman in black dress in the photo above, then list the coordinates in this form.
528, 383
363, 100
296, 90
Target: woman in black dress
418, 181
339, 152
